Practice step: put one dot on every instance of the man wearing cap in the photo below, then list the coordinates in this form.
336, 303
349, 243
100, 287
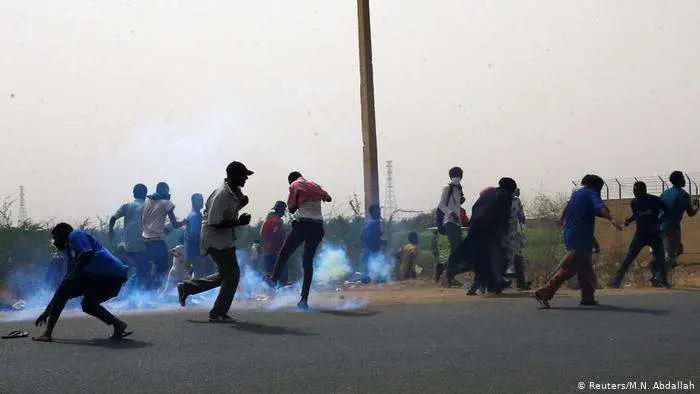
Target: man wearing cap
304, 203
219, 221
273, 234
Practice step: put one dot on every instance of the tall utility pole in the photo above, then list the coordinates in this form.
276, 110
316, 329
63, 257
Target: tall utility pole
369, 130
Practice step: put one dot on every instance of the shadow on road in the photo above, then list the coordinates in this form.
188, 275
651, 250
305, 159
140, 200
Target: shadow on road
258, 328
507, 295
349, 313
105, 343
611, 308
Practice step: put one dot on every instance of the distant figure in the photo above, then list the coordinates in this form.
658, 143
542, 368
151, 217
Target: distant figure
273, 234
96, 275
255, 254
678, 202
304, 202
155, 210
201, 265
451, 199
371, 240
219, 223
407, 258
134, 244
179, 270
579, 226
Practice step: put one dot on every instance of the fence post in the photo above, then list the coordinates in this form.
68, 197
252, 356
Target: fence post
663, 183
619, 189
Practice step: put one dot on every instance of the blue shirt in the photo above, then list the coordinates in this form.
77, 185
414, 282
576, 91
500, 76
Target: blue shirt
192, 234
131, 212
678, 201
579, 219
372, 235
102, 263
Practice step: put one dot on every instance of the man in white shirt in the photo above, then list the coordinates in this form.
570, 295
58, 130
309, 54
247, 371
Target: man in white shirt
155, 210
451, 200
219, 221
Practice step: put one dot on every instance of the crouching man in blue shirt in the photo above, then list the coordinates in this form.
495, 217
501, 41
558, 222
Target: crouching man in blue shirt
96, 275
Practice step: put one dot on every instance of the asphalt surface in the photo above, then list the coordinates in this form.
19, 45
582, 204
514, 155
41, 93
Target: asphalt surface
475, 345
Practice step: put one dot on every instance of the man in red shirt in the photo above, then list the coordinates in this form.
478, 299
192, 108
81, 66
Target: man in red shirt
273, 234
304, 203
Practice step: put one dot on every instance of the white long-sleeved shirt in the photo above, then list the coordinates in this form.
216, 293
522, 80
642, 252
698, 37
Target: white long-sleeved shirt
451, 202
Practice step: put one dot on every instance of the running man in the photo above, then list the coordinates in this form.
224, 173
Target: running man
304, 203
646, 210
219, 223
579, 228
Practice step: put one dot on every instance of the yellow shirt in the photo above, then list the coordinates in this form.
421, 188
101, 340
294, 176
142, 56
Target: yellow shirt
407, 257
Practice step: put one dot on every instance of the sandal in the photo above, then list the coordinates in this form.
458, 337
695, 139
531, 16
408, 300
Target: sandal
16, 334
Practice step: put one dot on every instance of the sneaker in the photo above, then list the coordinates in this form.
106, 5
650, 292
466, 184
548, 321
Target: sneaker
656, 282
454, 283
181, 295
588, 303
303, 305
221, 318
544, 303
471, 292
615, 284
270, 282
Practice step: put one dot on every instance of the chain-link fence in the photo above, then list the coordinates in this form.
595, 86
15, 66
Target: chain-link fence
620, 188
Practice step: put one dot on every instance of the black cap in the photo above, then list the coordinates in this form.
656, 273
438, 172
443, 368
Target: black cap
236, 168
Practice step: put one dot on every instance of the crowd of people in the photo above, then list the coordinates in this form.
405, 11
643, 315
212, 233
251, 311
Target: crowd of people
206, 259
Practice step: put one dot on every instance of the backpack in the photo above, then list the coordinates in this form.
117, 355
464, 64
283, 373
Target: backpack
440, 216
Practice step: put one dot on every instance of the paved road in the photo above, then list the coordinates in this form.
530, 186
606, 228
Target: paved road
474, 345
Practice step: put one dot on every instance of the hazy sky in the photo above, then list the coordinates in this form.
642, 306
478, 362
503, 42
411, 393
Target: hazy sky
96, 96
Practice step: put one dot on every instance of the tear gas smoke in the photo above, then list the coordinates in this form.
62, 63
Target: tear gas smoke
331, 266
380, 267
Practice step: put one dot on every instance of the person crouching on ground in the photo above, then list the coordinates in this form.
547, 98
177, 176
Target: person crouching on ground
96, 275
407, 258
219, 223
579, 226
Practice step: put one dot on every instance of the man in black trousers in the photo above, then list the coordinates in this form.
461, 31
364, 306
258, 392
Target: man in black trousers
646, 211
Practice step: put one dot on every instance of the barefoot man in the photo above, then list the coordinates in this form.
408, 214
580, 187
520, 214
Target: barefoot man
96, 275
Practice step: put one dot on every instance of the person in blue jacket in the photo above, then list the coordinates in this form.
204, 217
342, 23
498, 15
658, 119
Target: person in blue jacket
95, 274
